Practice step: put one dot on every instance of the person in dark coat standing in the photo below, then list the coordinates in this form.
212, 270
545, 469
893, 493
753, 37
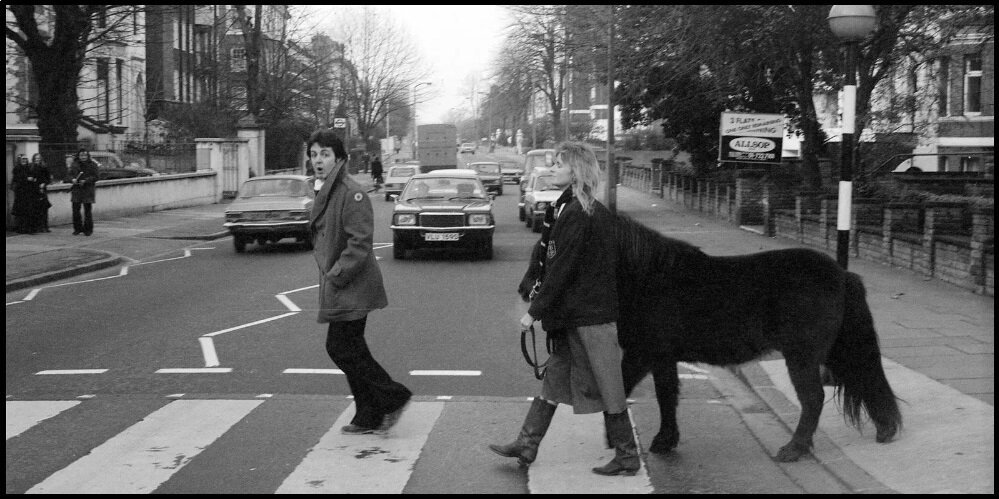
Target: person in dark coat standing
23, 185
83, 193
40, 212
376, 172
577, 304
350, 286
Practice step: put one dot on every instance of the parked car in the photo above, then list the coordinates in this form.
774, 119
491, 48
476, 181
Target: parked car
111, 167
271, 208
443, 209
467, 147
397, 177
512, 171
539, 194
544, 158
490, 175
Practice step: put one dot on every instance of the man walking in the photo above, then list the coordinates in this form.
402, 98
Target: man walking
350, 286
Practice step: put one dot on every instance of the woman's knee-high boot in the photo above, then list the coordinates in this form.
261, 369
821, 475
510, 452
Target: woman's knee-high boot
525, 447
619, 432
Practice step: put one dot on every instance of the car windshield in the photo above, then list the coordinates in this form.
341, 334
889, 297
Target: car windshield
407, 171
545, 183
275, 187
487, 167
443, 188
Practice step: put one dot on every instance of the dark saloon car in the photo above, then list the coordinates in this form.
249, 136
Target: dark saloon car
271, 208
444, 209
490, 174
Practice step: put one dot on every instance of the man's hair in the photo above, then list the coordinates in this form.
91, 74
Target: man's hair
327, 138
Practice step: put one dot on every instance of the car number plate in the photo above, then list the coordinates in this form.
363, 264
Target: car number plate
440, 236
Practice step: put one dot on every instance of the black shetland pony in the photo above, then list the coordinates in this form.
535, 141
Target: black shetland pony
679, 304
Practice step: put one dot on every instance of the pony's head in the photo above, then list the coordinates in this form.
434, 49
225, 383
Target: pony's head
532, 274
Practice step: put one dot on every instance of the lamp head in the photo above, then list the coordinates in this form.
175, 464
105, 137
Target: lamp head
852, 23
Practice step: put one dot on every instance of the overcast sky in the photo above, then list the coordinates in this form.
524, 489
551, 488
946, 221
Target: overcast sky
458, 40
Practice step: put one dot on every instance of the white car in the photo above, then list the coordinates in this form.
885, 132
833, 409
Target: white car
539, 194
396, 178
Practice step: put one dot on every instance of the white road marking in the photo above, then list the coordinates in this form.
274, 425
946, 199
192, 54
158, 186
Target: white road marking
445, 373
691, 367
573, 445
21, 415
145, 455
194, 370
288, 303
365, 464
312, 371
251, 324
940, 448
72, 371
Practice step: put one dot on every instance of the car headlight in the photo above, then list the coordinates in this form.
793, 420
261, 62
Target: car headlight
541, 206
405, 219
478, 219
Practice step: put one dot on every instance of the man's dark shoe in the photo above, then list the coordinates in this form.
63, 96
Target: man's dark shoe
353, 429
391, 419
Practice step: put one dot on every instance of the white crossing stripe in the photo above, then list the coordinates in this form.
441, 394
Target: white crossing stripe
72, 371
365, 464
573, 446
21, 415
295, 370
145, 455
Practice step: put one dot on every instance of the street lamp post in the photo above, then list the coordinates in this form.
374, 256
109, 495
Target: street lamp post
412, 140
850, 23
489, 118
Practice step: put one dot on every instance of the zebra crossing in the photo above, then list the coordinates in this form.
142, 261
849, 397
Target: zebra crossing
291, 444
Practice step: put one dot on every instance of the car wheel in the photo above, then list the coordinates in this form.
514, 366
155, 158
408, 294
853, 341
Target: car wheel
501, 190
309, 245
536, 225
529, 220
520, 214
239, 243
388, 197
398, 248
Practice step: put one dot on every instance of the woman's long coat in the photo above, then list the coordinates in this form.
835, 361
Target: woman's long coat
342, 222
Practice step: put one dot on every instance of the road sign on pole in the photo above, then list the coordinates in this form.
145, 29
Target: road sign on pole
339, 122
751, 138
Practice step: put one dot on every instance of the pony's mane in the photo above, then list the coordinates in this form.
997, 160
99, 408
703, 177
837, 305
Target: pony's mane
643, 251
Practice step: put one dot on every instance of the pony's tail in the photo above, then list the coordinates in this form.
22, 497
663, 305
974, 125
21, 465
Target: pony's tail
855, 363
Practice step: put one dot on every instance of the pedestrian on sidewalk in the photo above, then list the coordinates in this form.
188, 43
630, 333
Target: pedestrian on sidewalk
23, 185
40, 215
83, 193
350, 286
376, 172
577, 304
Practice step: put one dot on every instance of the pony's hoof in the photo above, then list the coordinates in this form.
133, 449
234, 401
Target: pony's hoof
790, 453
664, 444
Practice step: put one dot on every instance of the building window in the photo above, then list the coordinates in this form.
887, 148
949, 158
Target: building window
237, 56
973, 84
943, 86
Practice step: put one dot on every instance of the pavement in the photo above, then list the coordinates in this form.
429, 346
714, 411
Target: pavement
937, 340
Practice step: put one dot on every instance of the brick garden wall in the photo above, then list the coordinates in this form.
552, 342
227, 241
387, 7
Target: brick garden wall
946, 241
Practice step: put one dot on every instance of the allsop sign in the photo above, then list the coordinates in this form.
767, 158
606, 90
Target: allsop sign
751, 138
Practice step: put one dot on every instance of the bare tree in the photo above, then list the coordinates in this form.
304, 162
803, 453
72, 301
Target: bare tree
56, 40
538, 38
384, 65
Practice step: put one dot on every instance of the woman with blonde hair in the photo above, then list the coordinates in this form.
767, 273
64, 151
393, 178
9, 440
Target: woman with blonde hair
577, 304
